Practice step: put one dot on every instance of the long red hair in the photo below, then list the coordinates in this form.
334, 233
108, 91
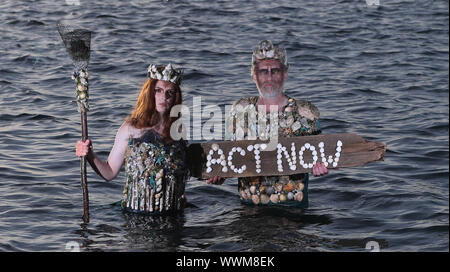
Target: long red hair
144, 113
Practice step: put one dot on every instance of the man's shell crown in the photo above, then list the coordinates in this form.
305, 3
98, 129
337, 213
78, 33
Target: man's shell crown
266, 50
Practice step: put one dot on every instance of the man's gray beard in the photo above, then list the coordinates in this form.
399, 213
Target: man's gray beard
270, 94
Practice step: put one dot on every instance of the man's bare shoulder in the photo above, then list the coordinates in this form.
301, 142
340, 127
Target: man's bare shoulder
307, 109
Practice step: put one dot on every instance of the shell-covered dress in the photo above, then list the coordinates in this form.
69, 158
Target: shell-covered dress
156, 174
296, 118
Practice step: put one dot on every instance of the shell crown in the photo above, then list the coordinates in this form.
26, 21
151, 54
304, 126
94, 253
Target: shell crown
266, 50
167, 73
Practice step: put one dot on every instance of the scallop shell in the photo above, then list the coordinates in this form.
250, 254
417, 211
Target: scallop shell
270, 190
300, 186
290, 196
274, 198
278, 187
299, 196
255, 180
253, 189
264, 199
255, 199
289, 187
244, 194
262, 189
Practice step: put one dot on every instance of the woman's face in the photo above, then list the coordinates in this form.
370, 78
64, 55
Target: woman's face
165, 93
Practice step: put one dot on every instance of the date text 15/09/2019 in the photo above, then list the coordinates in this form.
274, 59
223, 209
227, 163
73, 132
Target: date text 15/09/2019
227, 262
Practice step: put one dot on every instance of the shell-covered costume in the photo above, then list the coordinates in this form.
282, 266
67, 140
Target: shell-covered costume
296, 118
156, 174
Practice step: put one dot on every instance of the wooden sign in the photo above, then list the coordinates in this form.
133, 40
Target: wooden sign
292, 155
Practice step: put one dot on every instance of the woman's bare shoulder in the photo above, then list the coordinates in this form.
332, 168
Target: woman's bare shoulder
126, 130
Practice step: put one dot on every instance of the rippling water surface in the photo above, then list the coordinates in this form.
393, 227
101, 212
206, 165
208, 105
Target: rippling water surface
380, 72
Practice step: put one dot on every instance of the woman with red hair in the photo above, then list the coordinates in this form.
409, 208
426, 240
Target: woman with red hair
155, 163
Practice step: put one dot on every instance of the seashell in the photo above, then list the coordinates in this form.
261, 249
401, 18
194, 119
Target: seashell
312, 148
81, 87
257, 152
262, 189
315, 158
244, 194
238, 149
255, 180
220, 152
213, 161
263, 146
290, 196
289, 187
211, 152
299, 196
258, 170
223, 163
293, 167
337, 155
283, 198
264, 199
250, 148
224, 169
253, 189
242, 152
335, 164
230, 158
82, 95
240, 171
255, 199
209, 170
208, 164
339, 143
215, 147
274, 198
321, 145
278, 187
338, 149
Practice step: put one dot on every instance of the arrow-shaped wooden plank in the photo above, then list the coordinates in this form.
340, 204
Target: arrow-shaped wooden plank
288, 156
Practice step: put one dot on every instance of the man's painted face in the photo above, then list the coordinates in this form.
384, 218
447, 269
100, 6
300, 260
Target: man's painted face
269, 76
165, 93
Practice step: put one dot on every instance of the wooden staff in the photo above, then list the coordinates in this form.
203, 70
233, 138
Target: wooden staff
78, 44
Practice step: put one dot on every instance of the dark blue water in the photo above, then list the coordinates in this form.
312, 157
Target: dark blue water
381, 72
